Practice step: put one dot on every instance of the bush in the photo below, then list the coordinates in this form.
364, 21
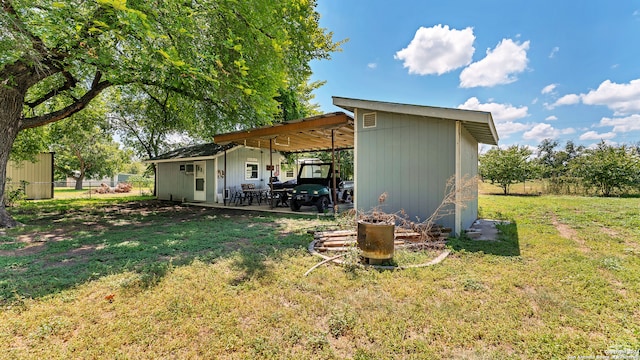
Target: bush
14, 194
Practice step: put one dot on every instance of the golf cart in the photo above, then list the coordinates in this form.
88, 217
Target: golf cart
314, 184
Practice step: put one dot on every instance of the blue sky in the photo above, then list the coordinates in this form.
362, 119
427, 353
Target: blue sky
567, 70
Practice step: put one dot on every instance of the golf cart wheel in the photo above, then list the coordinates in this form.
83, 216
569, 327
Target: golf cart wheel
294, 205
322, 204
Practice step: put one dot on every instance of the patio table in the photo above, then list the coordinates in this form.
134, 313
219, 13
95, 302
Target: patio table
256, 194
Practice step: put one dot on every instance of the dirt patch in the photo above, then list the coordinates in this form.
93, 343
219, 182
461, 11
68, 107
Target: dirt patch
610, 232
237, 244
25, 251
568, 233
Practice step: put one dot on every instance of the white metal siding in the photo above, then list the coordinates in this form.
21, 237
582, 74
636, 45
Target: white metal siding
469, 166
408, 157
174, 184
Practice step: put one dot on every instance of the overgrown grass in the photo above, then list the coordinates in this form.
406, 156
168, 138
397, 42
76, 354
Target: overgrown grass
120, 280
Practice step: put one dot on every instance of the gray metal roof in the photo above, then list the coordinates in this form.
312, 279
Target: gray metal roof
193, 152
478, 123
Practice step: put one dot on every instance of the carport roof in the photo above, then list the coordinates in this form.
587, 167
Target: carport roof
309, 134
478, 123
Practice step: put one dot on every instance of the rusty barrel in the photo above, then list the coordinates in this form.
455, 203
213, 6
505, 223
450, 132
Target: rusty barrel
376, 240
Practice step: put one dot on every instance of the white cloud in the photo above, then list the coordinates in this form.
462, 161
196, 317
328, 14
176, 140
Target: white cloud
498, 67
505, 129
500, 112
548, 89
437, 50
592, 135
372, 65
621, 98
551, 118
629, 123
544, 131
553, 53
568, 99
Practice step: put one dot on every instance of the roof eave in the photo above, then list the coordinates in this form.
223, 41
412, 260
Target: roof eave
488, 134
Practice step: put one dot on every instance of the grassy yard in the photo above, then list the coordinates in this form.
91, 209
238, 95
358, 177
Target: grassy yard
118, 278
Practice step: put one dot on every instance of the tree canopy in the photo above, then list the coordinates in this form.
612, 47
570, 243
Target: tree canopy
232, 55
507, 166
609, 168
84, 146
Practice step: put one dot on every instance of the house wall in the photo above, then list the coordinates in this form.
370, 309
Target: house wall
236, 166
409, 157
469, 168
174, 184
39, 176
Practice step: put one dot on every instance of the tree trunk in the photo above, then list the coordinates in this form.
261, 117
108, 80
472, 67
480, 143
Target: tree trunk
79, 181
10, 116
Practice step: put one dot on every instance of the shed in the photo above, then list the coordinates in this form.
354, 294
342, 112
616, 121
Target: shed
37, 175
199, 173
410, 152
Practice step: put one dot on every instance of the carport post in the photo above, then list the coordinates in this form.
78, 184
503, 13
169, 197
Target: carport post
333, 167
224, 190
271, 164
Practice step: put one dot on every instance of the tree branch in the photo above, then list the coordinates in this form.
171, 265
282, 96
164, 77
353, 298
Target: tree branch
96, 88
69, 83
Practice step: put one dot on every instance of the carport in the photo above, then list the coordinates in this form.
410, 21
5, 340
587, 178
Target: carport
328, 132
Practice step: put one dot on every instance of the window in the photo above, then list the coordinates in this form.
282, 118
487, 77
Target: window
251, 171
290, 174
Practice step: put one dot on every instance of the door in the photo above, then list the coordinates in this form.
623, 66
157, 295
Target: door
199, 176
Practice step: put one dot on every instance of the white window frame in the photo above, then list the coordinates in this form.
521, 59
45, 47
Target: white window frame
249, 175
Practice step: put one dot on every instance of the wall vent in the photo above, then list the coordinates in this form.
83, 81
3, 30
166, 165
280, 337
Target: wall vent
369, 120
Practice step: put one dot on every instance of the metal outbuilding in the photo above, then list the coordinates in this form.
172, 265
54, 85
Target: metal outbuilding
36, 177
411, 151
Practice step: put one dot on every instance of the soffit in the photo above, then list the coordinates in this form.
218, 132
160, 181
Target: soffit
309, 134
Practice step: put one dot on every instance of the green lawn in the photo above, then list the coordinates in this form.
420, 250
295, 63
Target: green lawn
112, 278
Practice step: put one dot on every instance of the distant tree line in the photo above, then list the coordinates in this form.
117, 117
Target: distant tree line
606, 170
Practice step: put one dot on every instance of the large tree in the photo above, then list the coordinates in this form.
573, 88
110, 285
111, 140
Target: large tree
233, 55
507, 166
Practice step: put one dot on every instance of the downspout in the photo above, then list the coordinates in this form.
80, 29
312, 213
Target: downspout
458, 180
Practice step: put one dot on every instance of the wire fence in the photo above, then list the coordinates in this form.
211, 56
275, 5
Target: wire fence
16, 191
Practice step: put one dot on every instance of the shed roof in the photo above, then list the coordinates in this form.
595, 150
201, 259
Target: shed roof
478, 123
309, 134
192, 152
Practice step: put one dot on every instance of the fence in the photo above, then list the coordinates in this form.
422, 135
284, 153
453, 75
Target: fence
15, 191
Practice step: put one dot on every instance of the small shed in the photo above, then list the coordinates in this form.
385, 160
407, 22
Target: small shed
411, 151
37, 175
199, 173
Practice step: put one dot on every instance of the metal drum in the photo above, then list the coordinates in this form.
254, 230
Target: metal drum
376, 241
